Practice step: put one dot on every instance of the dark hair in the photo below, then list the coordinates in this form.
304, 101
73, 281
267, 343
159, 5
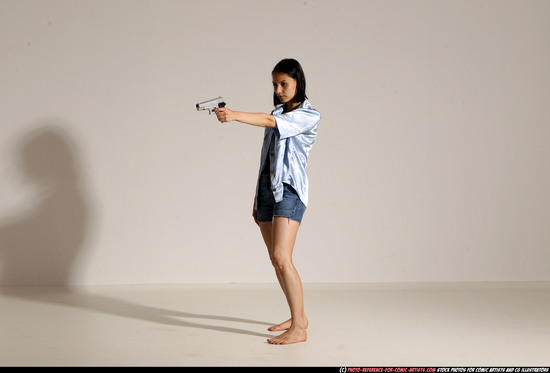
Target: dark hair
292, 68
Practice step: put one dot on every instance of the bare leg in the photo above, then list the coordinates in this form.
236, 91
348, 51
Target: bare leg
267, 234
284, 233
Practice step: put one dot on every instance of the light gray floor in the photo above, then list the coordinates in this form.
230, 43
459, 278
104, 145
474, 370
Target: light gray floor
467, 324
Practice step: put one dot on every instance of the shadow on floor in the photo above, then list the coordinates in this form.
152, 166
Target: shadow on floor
113, 306
41, 244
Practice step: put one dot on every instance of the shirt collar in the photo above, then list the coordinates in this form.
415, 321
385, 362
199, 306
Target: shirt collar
303, 105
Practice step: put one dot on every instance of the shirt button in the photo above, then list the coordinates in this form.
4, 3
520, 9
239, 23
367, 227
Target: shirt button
274, 189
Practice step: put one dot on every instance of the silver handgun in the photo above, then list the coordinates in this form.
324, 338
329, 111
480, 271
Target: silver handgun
211, 104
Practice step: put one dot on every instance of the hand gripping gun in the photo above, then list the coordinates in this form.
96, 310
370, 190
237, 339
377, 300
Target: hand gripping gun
211, 104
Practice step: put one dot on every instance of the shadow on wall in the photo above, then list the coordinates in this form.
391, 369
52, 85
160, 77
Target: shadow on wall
39, 246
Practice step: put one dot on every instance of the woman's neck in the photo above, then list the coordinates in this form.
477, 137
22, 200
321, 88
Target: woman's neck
291, 105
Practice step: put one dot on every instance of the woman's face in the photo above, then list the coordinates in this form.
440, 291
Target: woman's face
284, 86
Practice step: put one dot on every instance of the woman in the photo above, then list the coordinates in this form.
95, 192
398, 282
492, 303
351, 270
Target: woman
282, 189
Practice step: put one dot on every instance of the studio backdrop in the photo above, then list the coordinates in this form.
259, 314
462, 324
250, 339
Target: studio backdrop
432, 161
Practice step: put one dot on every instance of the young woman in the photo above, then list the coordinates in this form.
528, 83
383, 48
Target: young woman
282, 189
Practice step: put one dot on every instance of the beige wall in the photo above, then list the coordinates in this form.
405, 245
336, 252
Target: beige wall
432, 161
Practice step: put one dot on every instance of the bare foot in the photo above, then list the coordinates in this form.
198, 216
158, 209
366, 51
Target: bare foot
292, 335
283, 326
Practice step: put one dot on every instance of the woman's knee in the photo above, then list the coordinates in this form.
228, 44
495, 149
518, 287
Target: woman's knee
280, 261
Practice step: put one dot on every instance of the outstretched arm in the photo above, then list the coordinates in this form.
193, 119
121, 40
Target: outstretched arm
254, 119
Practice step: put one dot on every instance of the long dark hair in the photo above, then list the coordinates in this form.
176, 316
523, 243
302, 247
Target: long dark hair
292, 68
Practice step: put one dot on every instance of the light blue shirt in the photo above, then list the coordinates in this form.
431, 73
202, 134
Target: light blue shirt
288, 147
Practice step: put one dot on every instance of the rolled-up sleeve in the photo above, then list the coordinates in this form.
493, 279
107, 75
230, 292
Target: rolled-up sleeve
295, 122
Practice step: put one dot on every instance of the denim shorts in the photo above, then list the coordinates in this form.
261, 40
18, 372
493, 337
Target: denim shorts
290, 207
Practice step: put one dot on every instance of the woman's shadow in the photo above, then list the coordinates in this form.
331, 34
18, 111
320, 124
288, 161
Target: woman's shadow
40, 246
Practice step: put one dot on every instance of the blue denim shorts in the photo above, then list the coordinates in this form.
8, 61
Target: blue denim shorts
290, 207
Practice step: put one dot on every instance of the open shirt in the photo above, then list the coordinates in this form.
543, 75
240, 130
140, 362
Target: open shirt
288, 147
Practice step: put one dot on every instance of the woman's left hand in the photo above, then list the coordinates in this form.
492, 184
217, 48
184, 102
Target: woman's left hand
224, 114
